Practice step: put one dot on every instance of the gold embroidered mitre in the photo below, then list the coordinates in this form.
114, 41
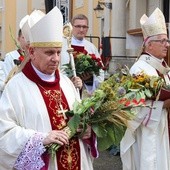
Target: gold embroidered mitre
153, 25
48, 31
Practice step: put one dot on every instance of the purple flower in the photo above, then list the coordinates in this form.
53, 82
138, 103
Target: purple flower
121, 91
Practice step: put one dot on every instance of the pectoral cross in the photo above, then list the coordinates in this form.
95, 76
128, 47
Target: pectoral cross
62, 111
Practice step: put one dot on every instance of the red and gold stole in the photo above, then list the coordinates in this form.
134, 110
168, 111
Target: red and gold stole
68, 157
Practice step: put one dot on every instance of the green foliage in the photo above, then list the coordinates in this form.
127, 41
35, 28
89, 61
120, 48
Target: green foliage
74, 123
112, 105
113, 135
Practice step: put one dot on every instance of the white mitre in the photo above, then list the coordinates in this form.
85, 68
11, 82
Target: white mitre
23, 21
33, 18
153, 25
48, 31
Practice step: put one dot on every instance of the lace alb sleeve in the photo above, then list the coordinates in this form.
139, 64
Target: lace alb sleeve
30, 157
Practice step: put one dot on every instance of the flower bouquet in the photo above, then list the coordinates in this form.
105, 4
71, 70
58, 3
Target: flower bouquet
84, 63
110, 107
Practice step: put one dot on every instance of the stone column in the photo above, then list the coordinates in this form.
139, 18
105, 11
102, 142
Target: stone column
118, 34
134, 41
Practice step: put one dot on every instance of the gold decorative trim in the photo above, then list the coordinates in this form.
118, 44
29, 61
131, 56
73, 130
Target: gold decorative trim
46, 44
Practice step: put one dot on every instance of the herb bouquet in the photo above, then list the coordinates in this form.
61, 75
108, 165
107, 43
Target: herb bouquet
108, 110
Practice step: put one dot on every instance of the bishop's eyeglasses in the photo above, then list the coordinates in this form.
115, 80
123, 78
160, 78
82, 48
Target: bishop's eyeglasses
162, 41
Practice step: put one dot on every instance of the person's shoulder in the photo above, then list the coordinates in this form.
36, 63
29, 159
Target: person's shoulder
138, 63
12, 55
91, 48
12, 52
15, 88
64, 77
138, 67
16, 79
1, 63
88, 42
65, 82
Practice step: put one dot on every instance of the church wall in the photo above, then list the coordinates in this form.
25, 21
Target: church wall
125, 15
135, 10
152, 4
11, 13
9, 22
134, 42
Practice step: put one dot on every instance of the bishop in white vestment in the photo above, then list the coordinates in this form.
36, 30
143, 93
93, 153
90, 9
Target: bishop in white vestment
145, 145
32, 108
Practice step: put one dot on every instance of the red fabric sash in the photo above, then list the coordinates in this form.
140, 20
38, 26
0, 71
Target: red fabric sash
79, 49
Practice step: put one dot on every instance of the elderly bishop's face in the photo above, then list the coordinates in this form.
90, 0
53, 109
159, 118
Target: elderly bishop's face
158, 46
46, 59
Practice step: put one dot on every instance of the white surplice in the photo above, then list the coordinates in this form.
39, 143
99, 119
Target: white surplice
6, 66
23, 113
145, 145
9, 61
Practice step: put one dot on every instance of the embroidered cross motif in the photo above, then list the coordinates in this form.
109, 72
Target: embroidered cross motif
62, 111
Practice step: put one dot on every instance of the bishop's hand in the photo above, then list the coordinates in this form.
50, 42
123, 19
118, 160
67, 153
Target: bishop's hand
56, 136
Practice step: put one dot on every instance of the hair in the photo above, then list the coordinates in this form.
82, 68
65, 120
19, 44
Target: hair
80, 17
149, 39
19, 33
145, 45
